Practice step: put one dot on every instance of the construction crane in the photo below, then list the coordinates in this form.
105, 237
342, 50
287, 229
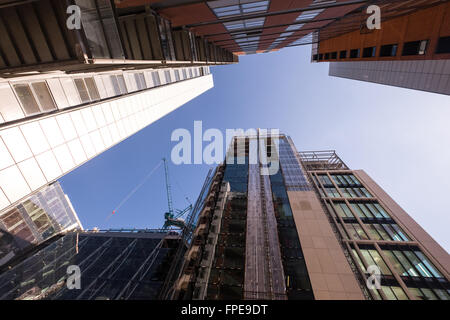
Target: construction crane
174, 218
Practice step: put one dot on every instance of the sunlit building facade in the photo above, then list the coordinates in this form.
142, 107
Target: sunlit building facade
309, 231
410, 50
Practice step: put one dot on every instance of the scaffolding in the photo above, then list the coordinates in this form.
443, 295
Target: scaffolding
321, 160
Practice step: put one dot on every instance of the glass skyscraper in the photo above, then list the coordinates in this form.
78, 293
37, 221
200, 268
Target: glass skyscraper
311, 230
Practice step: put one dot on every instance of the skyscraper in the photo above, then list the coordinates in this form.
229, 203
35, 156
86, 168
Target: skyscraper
70, 92
55, 124
313, 229
92, 35
410, 50
251, 26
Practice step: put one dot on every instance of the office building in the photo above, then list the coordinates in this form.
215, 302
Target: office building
415, 32
70, 92
410, 50
51, 35
309, 231
114, 265
58, 122
35, 220
251, 26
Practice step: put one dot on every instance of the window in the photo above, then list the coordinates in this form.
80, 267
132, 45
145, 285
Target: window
332, 193
244, 24
412, 263
327, 56
354, 53
343, 54
333, 55
345, 180
443, 45
224, 9
116, 86
82, 90
177, 75
394, 293
389, 50
92, 88
369, 52
343, 210
168, 77
140, 81
184, 74
156, 79
356, 231
415, 48
35, 98
122, 85
372, 257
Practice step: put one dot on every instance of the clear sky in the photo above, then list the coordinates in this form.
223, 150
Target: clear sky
400, 137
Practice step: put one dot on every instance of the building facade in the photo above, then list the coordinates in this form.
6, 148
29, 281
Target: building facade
77, 77
410, 50
114, 265
55, 123
309, 231
251, 26
91, 35
35, 220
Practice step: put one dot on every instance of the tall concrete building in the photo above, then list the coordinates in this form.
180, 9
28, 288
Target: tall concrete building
70, 92
310, 230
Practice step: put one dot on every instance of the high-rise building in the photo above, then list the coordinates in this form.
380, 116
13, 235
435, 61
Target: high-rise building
403, 53
35, 220
58, 122
411, 49
113, 265
76, 36
310, 229
251, 26
78, 77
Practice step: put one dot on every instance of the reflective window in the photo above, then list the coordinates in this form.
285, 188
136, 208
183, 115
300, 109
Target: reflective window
225, 9
34, 98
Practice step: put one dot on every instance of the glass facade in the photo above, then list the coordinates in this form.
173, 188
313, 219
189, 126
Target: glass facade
228, 278
298, 285
114, 266
35, 220
376, 238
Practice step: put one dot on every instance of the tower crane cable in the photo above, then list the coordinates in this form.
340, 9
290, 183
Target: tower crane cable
135, 189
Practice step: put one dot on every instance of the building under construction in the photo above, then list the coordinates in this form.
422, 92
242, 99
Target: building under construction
309, 231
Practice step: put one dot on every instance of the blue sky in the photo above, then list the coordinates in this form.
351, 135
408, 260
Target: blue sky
400, 137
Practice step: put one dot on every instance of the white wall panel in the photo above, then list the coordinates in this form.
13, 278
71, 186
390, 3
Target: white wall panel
77, 135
